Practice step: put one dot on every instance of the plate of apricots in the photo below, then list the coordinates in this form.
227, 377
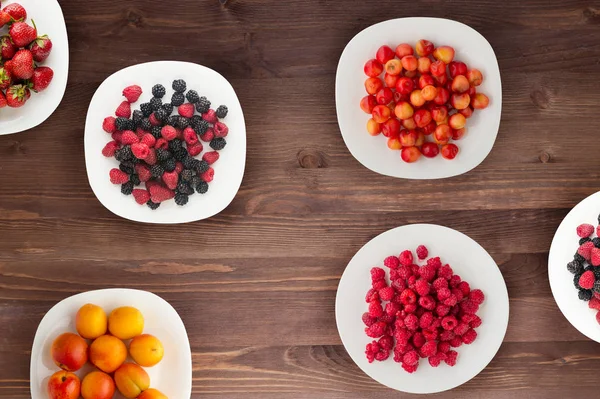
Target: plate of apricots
111, 344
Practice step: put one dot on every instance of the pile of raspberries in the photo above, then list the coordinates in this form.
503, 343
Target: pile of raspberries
586, 266
157, 144
425, 312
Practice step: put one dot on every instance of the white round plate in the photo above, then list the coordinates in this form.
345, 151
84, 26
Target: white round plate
229, 169
372, 152
172, 376
564, 246
50, 21
469, 260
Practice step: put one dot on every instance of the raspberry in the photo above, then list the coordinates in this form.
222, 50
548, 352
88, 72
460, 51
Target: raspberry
585, 230
422, 252
447, 335
598, 317
210, 157
143, 172
596, 293
454, 281
386, 294
141, 196
455, 310
426, 320
117, 176
393, 274
595, 256
386, 342
440, 283
443, 347
461, 328
411, 358
366, 318
132, 93
436, 263
404, 272
399, 285
195, 149
443, 293
110, 148
168, 133
140, 151
186, 110
469, 306
392, 262
411, 282
154, 120
208, 135
415, 270
116, 136
430, 334
445, 272
477, 296
376, 330
422, 287
469, 337
410, 308
427, 272
372, 295
436, 323
108, 125
408, 296
391, 309
587, 279
377, 273
464, 287
148, 139
382, 355
429, 349
170, 179
406, 258
411, 322
129, 137
124, 110
410, 369
455, 342
221, 129
450, 301
434, 361
585, 250
402, 335
210, 116
456, 292
160, 194
476, 322
162, 144
379, 284
418, 340
442, 310
375, 309
451, 358
427, 302
449, 322
387, 319
190, 136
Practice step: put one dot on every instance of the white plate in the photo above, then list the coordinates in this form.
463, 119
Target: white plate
50, 21
172, 376
372, 152
229, 169
469, 260
564, 246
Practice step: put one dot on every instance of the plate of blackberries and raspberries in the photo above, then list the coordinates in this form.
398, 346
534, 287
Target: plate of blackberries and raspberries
165, 142
422, 308
574, 267
34, 49
419, 98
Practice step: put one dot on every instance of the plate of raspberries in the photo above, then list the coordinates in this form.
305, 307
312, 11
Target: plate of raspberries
422, 308
165, 142
574, 267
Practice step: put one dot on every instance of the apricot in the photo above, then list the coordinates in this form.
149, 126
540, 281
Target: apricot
69, 351
131, 380
108, 353
97, 385
91, 321
64, 385
127, 322
147, 350
152, 394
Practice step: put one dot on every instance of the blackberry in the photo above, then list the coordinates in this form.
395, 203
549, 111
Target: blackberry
162, 155
161, 115
157, 171
190, 162
155, 103
180, 154
589, 268
195, 181
179, 86
127, 167
159, 91
201, 167
135, 179
576, 278
585, 295
597, 273
175, 144
597, 287
182, 122
221, 111
181, 199
137, 117
575, 267
173, 120
187, 174
185, 188
579, 258
169, 165
155, 131
218, 143
127, 188
202, 187
168, 107
124, 154
146, 109
177, 99
124, 124
152, 205
584, 240
195, 120
192, 96
202, 105
596, 242
201, 127
145, 124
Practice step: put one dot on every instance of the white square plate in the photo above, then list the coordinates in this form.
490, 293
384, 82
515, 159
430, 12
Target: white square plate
172, 376
482, 128
469, 260
229, 169
50, 21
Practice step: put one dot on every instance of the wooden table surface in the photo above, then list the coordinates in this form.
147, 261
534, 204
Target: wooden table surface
255, 285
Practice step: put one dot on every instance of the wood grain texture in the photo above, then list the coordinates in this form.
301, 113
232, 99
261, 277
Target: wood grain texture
306, 205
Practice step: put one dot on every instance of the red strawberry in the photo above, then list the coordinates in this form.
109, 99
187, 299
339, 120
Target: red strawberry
4, 18
220, 129
143, 172
42, 76
148, 139
3, 102
208, 135
117, 176
595, 256
169, 133
190, 136
129, 137
162, 144
22, 34
208, 175
132, 93
16, 11
108, 125
16, 96
124, 110
140, 151
151, 158
195, 149
41, 48
159, 193
7, 48
110, 148
5, 79
186, 110
211, 157
210, 116
22, 65
8, 66
141, 196
170, 179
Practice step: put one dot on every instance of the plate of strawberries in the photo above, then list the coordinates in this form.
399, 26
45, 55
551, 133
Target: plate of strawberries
574, 267
34, 51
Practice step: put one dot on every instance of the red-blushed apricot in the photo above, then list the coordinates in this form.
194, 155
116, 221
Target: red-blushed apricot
460, 101
439, 113
373, 85
63, 385
457, 121
444, 54
456, 68
408, 138
423, 65
384, 54
475, 77
410, 154
403, 110
393, 143
391, 127
405, 86
442, 134
390, 80
416, 98
384, 96
424, 48
460, 84
449, 151
404, 49
430, 150
409, 123
69, 351
429, 92
458, 134
368, 103
409, 62
480, 101
381, 113
437, 68
422, 117
467, 112
393, 67
373, 128
373, 68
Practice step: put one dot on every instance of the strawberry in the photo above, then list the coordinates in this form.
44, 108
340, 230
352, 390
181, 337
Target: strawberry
7, 48
132, 93
42, 76
595, 256
110, 148
220, 129
16, 11
5, 79
22, 65
195, 149
143, 172
169, 133
124, 110
16, 96
3, 102
140, 196
129, 137
170, 179
186, 110
190, 136
108, 125
22, 34
140, 151
210, 157
148, 139
117, 176
208, 176
159, 193
8, 66
4, 18
41, 48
